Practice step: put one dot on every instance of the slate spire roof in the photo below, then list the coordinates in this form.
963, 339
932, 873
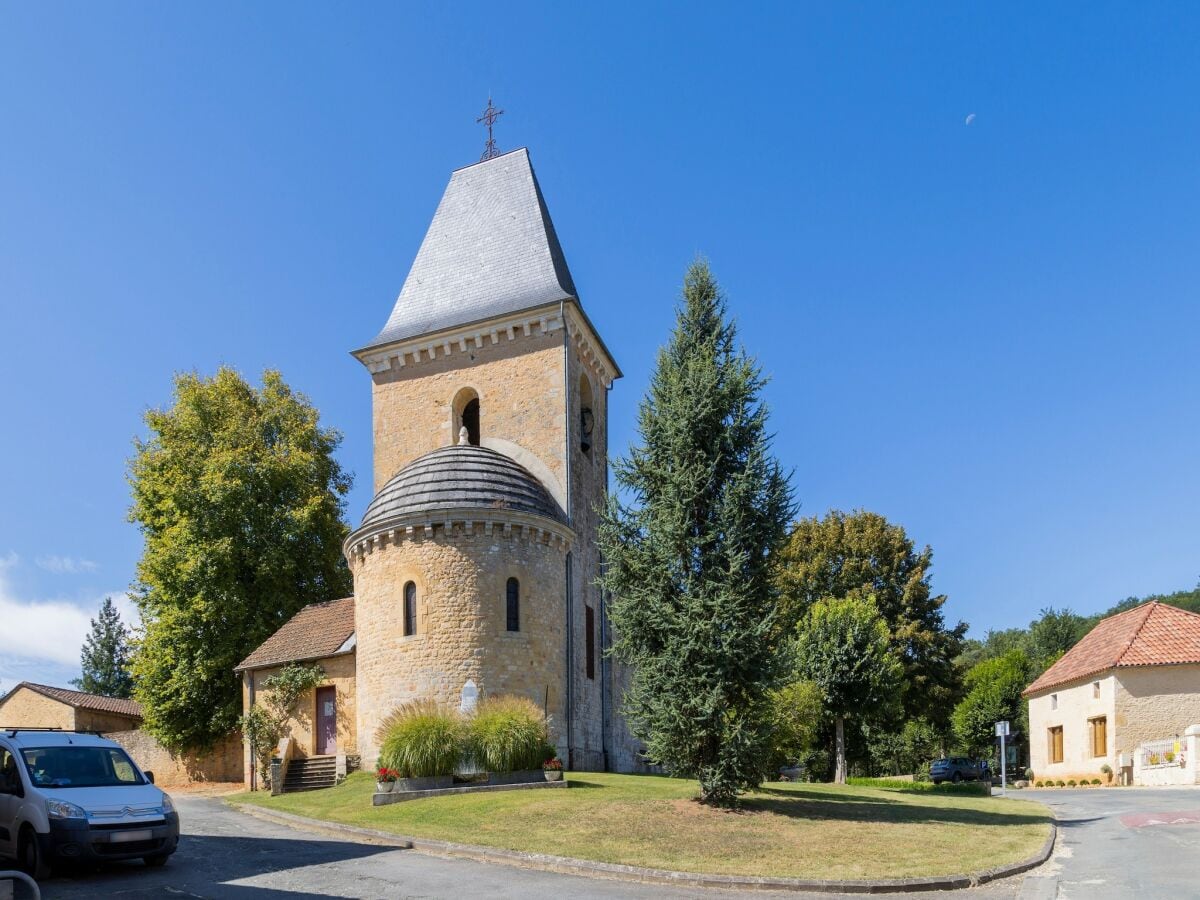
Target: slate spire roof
491, 250
1153, 634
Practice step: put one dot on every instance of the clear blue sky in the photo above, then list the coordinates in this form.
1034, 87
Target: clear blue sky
986, 332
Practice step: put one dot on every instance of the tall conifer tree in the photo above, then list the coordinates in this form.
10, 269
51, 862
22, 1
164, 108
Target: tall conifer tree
688, 559
105, 656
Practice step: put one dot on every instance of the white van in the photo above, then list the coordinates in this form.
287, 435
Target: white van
70, 796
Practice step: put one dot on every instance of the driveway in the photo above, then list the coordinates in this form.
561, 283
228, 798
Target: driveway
1114, 843
1121, 843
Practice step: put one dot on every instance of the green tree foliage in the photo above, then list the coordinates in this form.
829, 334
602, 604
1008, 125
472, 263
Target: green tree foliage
689, 558
861, 554
844, 648
796, 712
239, 498
104, 658
266, 723
993, 695
906, 751
1055, 632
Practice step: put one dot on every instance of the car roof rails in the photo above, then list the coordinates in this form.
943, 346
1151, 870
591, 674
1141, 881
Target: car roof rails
12, 731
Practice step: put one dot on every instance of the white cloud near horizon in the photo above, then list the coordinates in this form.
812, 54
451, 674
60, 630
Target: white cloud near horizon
64, 565
48, 630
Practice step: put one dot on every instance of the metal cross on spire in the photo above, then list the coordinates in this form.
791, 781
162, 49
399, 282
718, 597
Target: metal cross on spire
489, 117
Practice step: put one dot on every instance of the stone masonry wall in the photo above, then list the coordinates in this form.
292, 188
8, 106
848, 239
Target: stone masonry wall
519, 381
461, 634
223, 763
29, 709
1154, 703
94, 720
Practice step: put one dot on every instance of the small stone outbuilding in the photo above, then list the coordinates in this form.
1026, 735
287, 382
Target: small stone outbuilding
30, 705
320, 634
1133, 680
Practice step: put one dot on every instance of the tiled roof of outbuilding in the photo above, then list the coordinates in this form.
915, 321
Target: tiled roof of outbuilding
459, 477
81, 700
490, 250
318, 630
1153, 634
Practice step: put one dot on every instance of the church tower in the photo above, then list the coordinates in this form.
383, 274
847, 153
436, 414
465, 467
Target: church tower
475, 563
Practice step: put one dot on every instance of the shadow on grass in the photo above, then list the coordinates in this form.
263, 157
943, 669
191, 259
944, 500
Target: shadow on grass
801, 804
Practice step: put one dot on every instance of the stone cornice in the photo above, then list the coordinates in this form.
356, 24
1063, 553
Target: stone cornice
452, 524
478, 335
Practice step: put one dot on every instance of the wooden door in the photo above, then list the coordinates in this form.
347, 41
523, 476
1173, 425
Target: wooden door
326, 730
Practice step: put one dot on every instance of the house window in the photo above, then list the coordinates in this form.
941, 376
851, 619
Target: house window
512, 604
1055, 735
1095, 690
1099, 733
589, 640
410, 609
1054, 701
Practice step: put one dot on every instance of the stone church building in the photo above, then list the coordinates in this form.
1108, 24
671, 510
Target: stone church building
475, 563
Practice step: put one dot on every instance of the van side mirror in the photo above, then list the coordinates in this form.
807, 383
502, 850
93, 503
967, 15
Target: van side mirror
149, 776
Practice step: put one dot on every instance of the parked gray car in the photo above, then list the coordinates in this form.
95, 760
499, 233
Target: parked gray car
958, 768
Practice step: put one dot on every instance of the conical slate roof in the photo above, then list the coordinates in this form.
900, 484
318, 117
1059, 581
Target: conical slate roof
460, 477
491, 250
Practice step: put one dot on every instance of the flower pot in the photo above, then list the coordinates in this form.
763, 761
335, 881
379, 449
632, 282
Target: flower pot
515, 777
384, 787
552, 774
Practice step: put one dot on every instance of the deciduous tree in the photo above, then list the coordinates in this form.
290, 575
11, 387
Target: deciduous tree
844, 648
239, 498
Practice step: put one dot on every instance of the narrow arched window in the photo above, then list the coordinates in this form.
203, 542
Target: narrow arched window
512, 604
587, 418
410, 609
464, 414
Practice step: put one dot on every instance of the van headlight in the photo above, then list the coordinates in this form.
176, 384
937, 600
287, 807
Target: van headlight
167, 805
61, 809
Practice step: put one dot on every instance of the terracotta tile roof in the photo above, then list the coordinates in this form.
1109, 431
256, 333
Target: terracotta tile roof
1153, 634
320, 629
80, 700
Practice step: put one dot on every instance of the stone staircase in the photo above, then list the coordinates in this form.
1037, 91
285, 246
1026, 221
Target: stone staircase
310, 773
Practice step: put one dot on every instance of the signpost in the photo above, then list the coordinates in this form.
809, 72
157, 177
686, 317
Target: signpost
1002, 733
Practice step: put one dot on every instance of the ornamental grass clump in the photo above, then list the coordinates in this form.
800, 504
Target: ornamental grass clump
420, 739
507, 734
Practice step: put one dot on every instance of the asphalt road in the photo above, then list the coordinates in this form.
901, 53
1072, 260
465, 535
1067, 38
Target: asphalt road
1114, 843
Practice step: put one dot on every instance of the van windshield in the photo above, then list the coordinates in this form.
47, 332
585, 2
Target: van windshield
70, 767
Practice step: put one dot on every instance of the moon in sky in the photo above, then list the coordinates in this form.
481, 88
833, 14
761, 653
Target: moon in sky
970, 119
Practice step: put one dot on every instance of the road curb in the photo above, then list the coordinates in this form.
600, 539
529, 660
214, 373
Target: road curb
567, 866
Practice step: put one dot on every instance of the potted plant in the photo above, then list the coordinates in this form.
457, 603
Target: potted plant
385, 780
552, 769
1106, 771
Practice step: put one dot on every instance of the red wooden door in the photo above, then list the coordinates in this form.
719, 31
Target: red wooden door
326, 721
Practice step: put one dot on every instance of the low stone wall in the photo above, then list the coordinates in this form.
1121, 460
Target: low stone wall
223, 763
1182, 769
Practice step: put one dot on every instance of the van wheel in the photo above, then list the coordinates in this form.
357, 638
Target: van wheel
155, 862
957, 779
29, 852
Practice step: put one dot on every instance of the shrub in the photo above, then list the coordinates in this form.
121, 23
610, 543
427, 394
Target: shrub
1095, 781
419, 739
1169, 756
1106, 769
507, 734
1039, 784
1029, 774
922, 787
1070, 783
1061, 783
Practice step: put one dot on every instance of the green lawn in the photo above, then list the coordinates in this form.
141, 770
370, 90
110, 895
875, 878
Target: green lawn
797, 830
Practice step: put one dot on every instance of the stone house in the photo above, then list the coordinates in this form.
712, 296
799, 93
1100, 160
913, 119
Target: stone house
475, 564
30, 705
1133, 679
